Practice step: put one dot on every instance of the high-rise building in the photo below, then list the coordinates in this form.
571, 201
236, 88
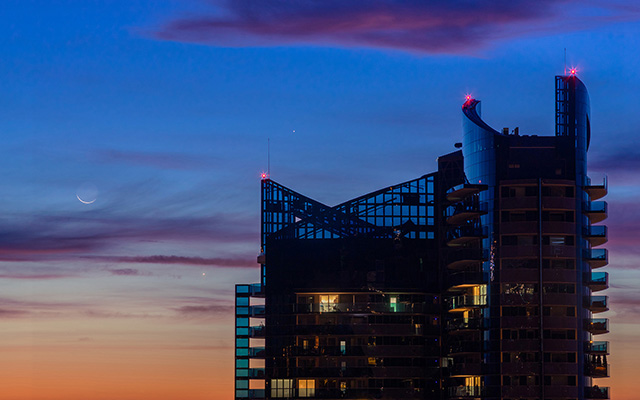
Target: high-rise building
472, 282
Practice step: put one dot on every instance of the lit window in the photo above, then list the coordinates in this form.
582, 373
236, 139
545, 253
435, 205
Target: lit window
393, 303
282, 388
343, 347
329, 303
306, 388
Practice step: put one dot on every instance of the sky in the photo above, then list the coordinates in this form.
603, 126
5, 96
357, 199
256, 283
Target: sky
160, 115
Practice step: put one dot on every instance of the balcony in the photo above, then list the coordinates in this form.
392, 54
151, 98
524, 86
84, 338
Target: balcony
462, 258
466, 302
466, 279
596, 211
465, 212
465, 234
465, 391
463, 191
250, 394
596, 304
257, 331
256, 352
596, 257
465, 323
472, 346
465, 369
596, 370
596, 326
596, 392
596, 235
256, 373
597, 348
257, 311
597, 281
596, 192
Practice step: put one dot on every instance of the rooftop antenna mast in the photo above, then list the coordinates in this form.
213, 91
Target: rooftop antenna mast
565, 61
269, 157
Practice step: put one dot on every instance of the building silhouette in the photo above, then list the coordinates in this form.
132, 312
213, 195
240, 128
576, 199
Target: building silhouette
473, 282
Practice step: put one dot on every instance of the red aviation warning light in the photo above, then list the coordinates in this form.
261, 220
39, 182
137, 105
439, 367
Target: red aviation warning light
263, 176
572, 71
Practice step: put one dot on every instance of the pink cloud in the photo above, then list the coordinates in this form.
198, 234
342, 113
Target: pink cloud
444, 26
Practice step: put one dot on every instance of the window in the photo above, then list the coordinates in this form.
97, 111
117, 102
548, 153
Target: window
343, 347
282, 388
306, 387
393, 303
328, 303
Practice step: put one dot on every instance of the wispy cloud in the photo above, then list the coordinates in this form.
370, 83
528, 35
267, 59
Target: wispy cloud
162, 259
441, 26
157, 160
65, 237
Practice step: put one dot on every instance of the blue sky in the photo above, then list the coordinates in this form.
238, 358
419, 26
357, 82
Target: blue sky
166, 107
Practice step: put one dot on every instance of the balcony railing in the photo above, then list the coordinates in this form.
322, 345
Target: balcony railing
465, 323
460, 192
597, 281
257, 310
465, 391
464, 234
596, 392
464, 302
461, 258
464, 212
595, 370
596, 257
257, 331
466, 278
596, 191
596, 304
597, 326
597, 348
596, 234
256, 352
416, 308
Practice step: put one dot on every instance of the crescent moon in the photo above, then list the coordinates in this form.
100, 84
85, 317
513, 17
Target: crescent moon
85, 202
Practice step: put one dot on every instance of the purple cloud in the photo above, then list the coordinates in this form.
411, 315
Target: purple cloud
442, 26
62, 237
125, 271
159, 259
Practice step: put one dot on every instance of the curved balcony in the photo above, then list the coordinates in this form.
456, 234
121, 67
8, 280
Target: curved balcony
596, 392
464, 257
463, 191
597, 281
466, 279
596, 211
596, 370
596, 326
596, 235
596, 257
466, 302
596, 304
596, 192
597, 348
465, 212
465, 234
